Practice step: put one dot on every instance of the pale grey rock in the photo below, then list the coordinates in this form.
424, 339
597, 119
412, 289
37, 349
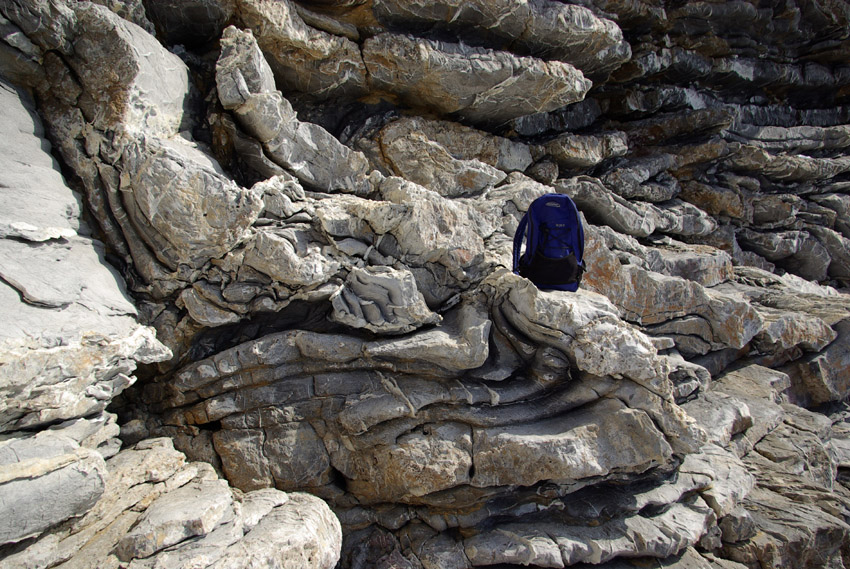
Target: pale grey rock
719, 201
543, 28
417, 464
413, 434
306, 149
150, 94
153, 497
241, 69
434, 230
256, 504
723, 416
792, 140
737, 525
838, 248
636, 218
840, 204
820, 378
425, 73
46, 479
291, 256
783, 539
186, 209
415, 157
732, 321
576, 151
382, 300
560, 545
304, 59
630, 180
205, 312
303, 532
462, 142
601, 205
578, 446
775, 211
798, 251
586, 327
784, 330
186, 512
705, 265
730, 482
50, 210
788, 168
69, 344
760, 389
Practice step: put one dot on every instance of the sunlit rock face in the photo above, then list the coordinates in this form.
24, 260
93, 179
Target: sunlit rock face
256, 268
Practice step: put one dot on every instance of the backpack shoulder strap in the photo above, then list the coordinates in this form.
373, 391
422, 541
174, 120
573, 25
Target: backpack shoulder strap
579, 231
519, 236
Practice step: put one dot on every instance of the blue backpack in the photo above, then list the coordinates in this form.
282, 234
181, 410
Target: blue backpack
554, 239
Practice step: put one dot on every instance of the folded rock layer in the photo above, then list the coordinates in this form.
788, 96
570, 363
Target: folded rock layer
256, 274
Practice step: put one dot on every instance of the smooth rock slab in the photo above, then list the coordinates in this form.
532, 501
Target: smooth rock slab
193, 510
130, 80
50, 210
437, 75
46, 479
605, 438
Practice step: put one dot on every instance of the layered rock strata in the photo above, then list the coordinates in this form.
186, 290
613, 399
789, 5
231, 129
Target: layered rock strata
313, 204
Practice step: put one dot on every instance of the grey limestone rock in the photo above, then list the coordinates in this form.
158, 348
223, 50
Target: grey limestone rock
46, 478
462, 142
382, 300
579, 152
313, 206
428, 163
304, 59
546, 29
186, 512
425, 73
306, 149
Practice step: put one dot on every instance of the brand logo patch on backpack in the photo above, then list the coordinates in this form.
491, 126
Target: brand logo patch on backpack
553, 256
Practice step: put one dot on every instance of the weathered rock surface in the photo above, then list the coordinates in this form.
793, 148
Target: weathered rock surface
298, 234
565, 32
436, 75
74, 340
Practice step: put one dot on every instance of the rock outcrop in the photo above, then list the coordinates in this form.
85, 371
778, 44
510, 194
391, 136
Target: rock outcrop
274, 323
